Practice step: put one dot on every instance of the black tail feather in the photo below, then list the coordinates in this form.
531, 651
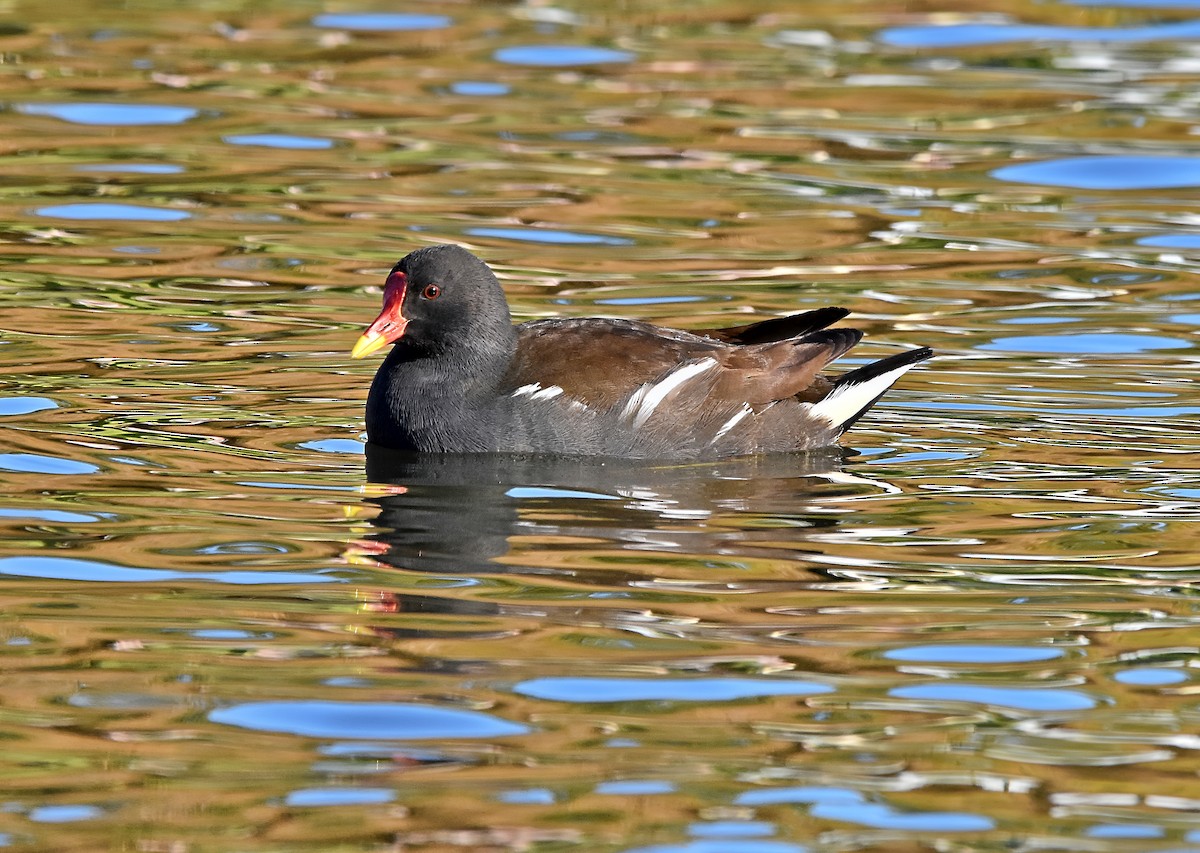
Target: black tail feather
778, 328
885, 365
839, 340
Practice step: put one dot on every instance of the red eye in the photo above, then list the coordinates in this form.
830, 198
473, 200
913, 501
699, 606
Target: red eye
431, 291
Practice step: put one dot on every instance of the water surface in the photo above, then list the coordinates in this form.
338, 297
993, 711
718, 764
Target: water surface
227, 627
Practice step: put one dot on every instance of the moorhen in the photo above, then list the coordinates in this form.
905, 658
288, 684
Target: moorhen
462, 378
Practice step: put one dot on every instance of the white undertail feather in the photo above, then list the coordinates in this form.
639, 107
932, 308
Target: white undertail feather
647, 398
847, 400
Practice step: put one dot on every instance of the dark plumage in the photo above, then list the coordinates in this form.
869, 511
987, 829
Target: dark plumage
462, 378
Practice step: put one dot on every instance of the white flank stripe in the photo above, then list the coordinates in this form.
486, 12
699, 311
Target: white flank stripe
646, 399
531, 388
547, 393
731, 423
846, 401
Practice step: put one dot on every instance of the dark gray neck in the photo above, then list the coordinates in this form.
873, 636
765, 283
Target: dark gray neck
436, 401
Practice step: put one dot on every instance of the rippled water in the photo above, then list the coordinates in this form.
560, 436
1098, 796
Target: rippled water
225, 628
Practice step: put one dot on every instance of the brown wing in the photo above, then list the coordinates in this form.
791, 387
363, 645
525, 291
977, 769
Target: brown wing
764, 373
602, 362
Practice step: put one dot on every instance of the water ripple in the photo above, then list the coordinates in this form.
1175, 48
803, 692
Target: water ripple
365, 720
114, 114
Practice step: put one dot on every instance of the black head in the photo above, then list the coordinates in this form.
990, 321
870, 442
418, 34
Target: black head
439, 299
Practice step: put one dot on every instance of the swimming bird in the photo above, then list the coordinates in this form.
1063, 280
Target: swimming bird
462, 378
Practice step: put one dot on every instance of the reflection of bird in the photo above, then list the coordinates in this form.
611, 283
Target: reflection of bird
462, 378
459, 513
573, 526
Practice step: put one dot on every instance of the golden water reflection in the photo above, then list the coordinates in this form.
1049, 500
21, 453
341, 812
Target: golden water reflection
224, 628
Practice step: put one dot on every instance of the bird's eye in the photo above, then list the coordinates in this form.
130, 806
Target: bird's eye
431, 291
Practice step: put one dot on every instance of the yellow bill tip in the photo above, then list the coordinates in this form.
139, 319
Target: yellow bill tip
368, 344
